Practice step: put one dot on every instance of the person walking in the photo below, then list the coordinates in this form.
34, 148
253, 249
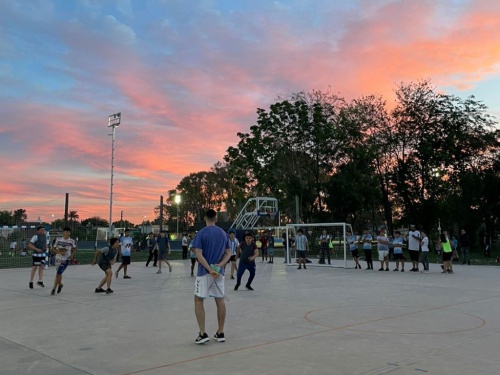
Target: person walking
153, 250
64, 248
213, 251
163, 245
126, 247
246, 253
38, 245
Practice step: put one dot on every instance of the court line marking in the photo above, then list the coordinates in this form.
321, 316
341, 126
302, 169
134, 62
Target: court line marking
330, 329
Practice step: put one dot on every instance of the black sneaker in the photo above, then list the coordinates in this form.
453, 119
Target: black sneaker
53, 292
201, 339
396, 269
99, 290
248, 287
109, 291
219, 336
305, 267
387, 269
236, 286
40, 283
31, 285
232, 277
381, 269
402, 270
127, 277
59, 288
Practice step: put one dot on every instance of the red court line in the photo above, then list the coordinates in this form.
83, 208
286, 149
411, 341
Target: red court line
301, 336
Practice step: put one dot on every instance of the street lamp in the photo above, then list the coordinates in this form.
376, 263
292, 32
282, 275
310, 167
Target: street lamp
177, 200
113, 122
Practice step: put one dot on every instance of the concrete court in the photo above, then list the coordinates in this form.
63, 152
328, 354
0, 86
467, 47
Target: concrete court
316, 321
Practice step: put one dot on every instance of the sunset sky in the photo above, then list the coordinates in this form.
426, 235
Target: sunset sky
188, 75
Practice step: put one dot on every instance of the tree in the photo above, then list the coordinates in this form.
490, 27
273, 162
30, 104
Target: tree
95, 221
6, 218
20, 216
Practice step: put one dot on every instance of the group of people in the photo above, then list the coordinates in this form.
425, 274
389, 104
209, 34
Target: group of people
417, 244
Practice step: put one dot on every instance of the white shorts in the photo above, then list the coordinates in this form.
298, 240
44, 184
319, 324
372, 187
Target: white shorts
382, 254
206, 286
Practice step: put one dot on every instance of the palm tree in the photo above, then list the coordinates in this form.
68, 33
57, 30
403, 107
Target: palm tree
73, 215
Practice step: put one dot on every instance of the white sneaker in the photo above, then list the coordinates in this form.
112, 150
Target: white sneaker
159, 271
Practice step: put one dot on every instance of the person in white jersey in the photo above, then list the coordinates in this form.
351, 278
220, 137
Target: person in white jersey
233, 241
302, 245
126, 247
383, 250
413, 246
64, 248
424, 244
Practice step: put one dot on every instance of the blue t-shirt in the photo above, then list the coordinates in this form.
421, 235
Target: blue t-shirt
367, 237
162, 244
270, 241
351, 240
396, 242
126, 245
213, 242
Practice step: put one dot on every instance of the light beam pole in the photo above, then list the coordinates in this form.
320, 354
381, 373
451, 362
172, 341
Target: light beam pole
113, 122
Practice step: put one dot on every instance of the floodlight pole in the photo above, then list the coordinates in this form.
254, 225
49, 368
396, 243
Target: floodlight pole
113, 121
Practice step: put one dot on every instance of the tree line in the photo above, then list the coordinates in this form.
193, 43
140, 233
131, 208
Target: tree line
428, 158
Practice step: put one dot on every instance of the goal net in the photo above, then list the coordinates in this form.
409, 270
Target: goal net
327, 244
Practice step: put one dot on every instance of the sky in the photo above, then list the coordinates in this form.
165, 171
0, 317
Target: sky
188, 75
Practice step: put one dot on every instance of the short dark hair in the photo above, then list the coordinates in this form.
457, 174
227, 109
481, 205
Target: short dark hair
397, 232
300, 231
211, 214
248, 234
67, 229
40, 227
127, 230
113, 241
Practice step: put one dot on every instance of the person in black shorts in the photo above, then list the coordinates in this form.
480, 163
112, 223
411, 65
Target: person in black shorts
234, 246
105, 258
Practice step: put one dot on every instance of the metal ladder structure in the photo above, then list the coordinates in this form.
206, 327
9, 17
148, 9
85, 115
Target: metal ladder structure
255, 208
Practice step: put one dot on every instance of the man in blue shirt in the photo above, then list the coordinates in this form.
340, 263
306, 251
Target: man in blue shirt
213, 251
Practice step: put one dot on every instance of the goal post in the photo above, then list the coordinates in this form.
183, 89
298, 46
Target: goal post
327, 241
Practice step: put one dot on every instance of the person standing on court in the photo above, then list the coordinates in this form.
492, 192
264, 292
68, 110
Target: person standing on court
302, 245
184, 244
464, 243
246, 253
413, 247
233, 241
126, 246
64, 248
152, 247
424, 244
366, 239
213, 251
38, 245
163, 245
383, 250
